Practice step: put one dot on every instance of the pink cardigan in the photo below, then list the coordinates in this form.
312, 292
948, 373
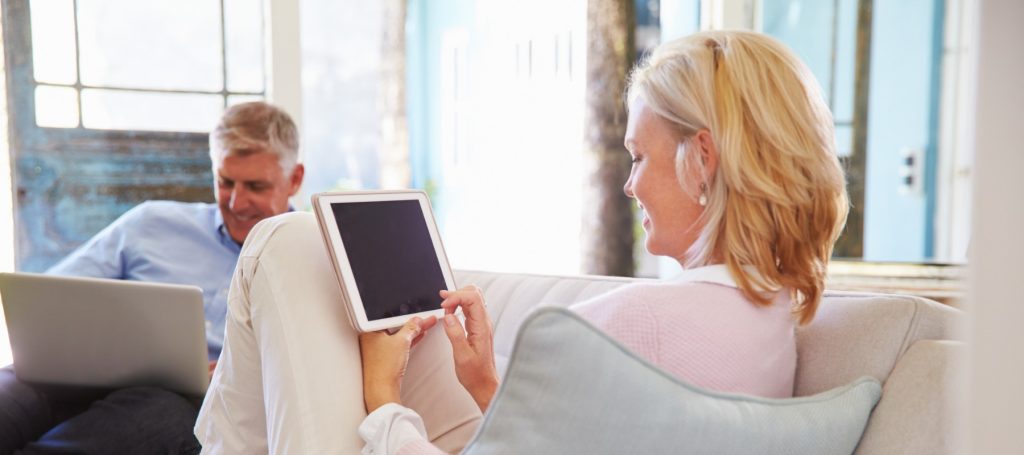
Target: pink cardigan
708, 335
701, 329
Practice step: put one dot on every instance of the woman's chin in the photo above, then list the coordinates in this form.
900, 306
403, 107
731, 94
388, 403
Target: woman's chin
673, 251
652, 247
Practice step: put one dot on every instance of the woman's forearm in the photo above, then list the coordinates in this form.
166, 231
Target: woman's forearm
376, 395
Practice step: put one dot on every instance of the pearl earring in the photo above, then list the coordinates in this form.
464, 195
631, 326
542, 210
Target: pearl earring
703, 200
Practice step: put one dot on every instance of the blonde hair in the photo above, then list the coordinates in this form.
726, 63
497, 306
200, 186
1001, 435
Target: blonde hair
256, 127
777, 201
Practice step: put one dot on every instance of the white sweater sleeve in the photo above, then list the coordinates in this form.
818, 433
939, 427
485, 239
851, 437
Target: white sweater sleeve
390, 427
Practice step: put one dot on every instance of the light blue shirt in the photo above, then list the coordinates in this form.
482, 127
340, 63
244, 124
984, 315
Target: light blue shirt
167, 242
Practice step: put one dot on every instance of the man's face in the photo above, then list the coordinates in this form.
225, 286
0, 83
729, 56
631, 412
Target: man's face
251, 188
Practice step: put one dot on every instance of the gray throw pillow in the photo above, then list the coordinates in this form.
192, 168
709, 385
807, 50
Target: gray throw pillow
569, 388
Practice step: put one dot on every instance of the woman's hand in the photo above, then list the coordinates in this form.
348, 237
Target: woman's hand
473, 347
384, 360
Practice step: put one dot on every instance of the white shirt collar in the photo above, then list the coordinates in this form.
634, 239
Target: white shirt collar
715, 274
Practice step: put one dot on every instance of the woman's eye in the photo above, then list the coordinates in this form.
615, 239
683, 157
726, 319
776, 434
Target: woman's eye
636, 159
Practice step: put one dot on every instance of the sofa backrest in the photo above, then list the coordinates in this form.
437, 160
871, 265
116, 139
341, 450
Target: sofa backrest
853, 334
510, 297
858, 334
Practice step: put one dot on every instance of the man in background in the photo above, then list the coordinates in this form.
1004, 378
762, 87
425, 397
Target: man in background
254, 151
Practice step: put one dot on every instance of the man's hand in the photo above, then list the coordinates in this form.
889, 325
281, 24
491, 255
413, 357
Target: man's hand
385, 358
473, 347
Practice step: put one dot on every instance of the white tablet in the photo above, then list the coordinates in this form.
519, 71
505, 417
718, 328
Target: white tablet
387, 253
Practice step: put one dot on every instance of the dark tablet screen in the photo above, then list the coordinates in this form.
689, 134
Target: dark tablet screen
392, 257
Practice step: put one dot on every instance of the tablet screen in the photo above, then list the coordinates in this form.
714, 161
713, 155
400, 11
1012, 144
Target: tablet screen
393, 260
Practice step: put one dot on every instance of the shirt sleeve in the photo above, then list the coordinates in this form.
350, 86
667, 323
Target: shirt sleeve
394, 429
102, 256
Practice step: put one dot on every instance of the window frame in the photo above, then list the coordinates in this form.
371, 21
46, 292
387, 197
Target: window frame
24, 81
94, 175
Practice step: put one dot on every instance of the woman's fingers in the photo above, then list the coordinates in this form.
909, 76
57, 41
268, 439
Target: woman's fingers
472, 345
456, 334
410, 333
410, 330
424, 325
414, 328
471, 299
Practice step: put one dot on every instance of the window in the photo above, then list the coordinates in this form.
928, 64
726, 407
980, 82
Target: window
879, 64
111, 102
496, 128
886, 100
824, 35
153, 66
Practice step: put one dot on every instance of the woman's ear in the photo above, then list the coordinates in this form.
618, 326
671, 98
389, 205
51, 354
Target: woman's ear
708, 153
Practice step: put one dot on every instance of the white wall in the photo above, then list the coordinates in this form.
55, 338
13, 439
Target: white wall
284, 62
730, 14
996, 299
956, 144
341, 69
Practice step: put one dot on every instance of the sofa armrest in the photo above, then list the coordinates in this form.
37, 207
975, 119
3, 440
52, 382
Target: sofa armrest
920, 411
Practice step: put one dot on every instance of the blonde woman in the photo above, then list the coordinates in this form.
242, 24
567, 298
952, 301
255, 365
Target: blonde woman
735, 172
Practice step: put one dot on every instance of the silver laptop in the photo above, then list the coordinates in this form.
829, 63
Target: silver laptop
105, 333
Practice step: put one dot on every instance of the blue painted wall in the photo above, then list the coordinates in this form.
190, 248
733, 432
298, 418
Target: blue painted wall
679, 18
903, 109
426, 23
807, 27
902, 113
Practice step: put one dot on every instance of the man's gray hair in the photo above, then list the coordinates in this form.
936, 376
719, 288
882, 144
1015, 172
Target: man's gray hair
256, 127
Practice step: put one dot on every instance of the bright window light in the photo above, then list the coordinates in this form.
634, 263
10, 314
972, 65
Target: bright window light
56, 107
511, 106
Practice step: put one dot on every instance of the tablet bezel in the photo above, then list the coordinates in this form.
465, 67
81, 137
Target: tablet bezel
339, 258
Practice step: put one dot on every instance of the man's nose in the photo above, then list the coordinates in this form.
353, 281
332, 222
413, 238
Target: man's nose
628, 187
239, 199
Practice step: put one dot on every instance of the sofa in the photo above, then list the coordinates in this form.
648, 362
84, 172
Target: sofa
909, 344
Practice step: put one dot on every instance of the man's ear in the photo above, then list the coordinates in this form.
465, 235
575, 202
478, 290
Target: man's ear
296, 179
708, 153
